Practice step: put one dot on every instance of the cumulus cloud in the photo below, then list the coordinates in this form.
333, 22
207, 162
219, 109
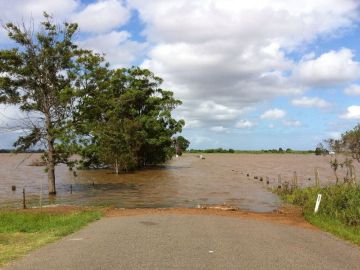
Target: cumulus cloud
216, 49
208, 113
273, 114
331, 68
352, 112
353, 90
244, 124
102, 16
220, 57
310, 102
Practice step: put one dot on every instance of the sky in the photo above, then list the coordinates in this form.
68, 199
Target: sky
257, 74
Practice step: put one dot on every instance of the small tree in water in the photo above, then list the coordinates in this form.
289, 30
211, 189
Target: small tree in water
40, 75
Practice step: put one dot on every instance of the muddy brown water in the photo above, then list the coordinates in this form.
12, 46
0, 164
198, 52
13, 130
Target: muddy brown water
186, 181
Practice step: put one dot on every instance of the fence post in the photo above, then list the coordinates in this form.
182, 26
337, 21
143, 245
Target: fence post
317, 180
294, 181
279, 181
24, 202
41, 194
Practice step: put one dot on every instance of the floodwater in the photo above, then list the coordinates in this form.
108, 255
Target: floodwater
187, 181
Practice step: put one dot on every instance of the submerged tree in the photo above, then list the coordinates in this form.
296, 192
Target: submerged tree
130, 123
40, 75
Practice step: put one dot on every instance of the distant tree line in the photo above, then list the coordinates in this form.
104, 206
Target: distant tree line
76, 104
230, 150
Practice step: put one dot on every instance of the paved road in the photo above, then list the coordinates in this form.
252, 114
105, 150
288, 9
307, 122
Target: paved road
192, 242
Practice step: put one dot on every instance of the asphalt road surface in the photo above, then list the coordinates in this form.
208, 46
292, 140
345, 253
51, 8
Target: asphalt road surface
192, 242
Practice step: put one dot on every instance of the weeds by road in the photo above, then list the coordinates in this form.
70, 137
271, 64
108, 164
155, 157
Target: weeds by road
339, 211
23, 231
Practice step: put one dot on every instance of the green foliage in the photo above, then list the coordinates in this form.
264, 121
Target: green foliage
43, 74
339, 210
127, 121
318, 151
21, 232
339, 202
181, 144
59, 224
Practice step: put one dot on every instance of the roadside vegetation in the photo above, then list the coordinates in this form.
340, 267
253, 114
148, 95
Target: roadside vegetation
339, 211
23, 231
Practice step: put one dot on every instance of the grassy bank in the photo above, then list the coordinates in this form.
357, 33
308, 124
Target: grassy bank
23, 231
339, 211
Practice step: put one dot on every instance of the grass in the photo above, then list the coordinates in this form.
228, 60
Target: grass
339, 211
23, 231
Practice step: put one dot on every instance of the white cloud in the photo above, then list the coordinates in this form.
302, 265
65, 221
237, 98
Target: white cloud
244, 124
219, 129
310, 102
102, 16
353, 90
273, 114
292, 123
217, 111
207, 113
333, 67
352, 112
118, 47
271, 126
235, 52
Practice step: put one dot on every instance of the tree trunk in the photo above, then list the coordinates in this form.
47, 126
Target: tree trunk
50, 157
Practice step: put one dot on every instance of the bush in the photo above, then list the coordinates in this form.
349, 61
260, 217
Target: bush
340, 202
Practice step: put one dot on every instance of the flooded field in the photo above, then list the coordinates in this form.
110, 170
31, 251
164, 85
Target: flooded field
184, 182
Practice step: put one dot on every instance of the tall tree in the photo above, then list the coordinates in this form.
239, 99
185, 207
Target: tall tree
41, 76
130, 124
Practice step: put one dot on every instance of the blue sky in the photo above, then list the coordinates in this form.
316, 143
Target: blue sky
251, 74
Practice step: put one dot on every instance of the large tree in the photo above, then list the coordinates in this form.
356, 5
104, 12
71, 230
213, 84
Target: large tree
42, 75
128, 121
